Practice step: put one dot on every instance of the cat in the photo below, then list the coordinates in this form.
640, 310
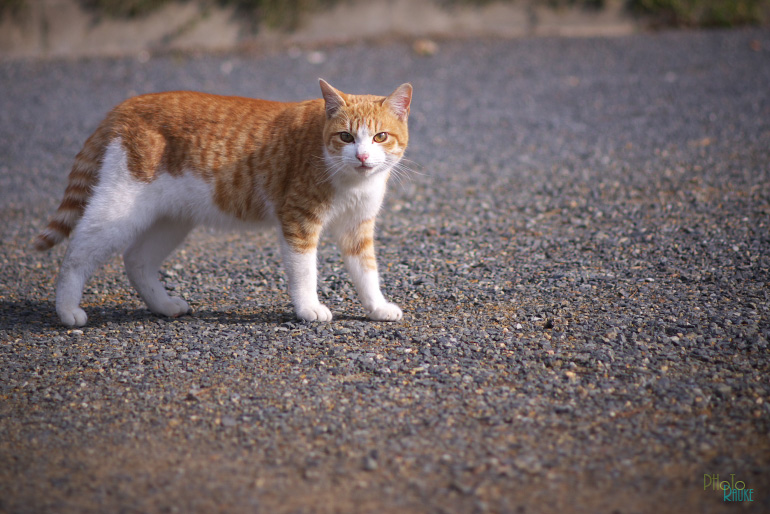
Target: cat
161, 164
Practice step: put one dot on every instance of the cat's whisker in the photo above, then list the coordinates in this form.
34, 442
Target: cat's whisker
403, 170
411, 167
399, 179
334, 164
399, 176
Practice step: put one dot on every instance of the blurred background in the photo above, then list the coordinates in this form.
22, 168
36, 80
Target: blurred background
51, 28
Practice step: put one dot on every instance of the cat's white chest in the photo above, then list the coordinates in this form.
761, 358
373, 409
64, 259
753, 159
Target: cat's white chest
356, 202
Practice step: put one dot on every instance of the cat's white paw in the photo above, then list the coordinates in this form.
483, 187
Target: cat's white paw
173, 307
75, 317
316, 312
386, 312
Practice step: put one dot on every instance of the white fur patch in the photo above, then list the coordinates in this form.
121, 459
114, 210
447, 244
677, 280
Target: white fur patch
186, 197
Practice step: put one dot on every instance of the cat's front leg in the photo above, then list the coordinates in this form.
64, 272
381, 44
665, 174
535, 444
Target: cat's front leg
299, 260
357, 246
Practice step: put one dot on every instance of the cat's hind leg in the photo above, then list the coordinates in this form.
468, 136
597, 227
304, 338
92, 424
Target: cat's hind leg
95, 239
115, 214
83, 257
143, 259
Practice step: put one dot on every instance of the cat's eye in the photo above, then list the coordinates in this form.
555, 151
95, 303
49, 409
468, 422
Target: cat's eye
346, 137
381, 137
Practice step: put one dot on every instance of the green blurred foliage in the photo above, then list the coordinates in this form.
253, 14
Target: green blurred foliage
588, 4
11, 6
123, 8
286, 14
703, 13
283, 14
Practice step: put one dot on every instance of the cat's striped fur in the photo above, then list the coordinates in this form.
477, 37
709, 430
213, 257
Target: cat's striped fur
160, 164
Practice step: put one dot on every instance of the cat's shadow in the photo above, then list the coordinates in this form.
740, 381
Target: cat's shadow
265, 317
30, 314
27, 314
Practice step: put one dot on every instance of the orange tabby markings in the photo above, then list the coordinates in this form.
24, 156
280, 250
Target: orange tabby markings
360, 243
81, 181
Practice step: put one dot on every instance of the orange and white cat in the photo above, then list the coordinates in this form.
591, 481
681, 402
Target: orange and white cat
161, 164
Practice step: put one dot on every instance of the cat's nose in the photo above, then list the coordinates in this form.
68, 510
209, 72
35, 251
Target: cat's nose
362, 157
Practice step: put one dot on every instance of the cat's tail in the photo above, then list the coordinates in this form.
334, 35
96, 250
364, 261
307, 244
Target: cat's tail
80, 186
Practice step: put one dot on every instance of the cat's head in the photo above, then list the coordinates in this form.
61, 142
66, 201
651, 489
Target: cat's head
365, 134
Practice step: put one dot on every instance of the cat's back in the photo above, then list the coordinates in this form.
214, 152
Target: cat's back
184, 108
186, 130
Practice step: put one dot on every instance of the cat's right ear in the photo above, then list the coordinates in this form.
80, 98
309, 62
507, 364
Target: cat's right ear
332, 97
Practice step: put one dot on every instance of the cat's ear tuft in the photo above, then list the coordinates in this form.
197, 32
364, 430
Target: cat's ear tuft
400, 100
333, 98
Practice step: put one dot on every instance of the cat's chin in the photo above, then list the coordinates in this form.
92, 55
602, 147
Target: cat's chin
363, 172
366, 171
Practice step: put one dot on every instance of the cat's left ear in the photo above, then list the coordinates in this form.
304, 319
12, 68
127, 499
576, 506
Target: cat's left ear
332, 97
399, 101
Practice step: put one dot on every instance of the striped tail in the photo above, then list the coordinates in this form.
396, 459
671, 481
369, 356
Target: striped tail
80, 186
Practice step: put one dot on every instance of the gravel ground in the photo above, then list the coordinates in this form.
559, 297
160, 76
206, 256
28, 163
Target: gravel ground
582, 257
